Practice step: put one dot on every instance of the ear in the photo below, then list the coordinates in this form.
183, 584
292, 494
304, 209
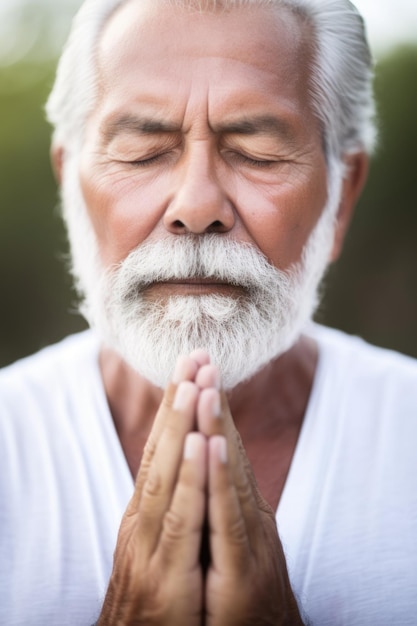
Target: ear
57, 160
356, 166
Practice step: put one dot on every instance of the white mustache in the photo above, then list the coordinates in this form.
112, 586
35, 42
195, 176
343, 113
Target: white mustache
190, 257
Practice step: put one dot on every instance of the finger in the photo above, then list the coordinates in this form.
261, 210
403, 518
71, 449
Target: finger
212, 423
240, 465
180, 540
209, 412
201, 357
251, 501
249, 576
159, 485
229, 542
209, 403
185, 370
208, 376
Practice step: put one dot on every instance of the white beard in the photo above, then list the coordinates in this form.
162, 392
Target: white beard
241, 334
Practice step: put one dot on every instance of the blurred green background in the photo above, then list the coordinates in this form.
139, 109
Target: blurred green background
372, 291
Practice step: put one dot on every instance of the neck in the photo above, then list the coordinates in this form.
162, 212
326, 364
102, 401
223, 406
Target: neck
277, 396
280, 389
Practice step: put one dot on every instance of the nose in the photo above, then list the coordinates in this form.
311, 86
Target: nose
199, 203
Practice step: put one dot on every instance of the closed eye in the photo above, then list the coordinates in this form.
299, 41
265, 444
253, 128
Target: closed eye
148, 161
252, 162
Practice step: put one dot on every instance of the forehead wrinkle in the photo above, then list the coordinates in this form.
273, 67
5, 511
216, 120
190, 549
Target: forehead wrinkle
146, 125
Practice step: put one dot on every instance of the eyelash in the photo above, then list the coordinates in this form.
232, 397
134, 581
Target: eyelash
146, 162
259, 163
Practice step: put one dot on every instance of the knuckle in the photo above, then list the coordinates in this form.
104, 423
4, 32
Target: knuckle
265, 508
153, 484
168, 397
244, 490
174, 526
237, 532
148, 451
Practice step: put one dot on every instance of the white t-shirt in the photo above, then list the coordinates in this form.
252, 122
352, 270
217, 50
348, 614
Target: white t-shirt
347, 516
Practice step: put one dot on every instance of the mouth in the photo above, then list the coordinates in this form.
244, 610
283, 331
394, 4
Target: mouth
192, 287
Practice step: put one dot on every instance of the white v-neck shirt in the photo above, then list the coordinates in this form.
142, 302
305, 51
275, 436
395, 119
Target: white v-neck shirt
347, 517
348, 513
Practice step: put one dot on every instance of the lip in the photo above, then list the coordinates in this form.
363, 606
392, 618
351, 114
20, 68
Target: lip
195, 281
193, 286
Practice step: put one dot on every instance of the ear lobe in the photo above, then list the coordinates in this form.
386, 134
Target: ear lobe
357, 166
57, 160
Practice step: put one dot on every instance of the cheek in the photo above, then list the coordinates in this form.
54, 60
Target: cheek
280, 219
123, 213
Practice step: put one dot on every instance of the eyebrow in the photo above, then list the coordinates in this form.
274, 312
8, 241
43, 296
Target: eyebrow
135, 125
256, 125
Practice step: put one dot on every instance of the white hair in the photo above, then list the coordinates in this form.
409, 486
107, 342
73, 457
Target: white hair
340, 79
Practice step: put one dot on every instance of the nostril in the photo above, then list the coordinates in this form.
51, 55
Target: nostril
182, 227
216, 226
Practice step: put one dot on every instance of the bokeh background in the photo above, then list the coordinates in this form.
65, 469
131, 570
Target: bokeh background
372, 291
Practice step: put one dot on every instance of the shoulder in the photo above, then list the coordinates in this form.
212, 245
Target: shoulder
53, 368
343, 350
357, 374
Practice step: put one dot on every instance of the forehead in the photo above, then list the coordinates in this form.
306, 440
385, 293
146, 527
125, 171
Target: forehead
152, 50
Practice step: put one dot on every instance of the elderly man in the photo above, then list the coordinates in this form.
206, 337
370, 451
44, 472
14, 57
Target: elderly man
245, 466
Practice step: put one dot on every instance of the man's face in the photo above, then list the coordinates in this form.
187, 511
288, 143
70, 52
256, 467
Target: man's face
203, 124
204, 179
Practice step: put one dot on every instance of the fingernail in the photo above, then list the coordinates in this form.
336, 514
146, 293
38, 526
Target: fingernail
190, 448
181, 397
